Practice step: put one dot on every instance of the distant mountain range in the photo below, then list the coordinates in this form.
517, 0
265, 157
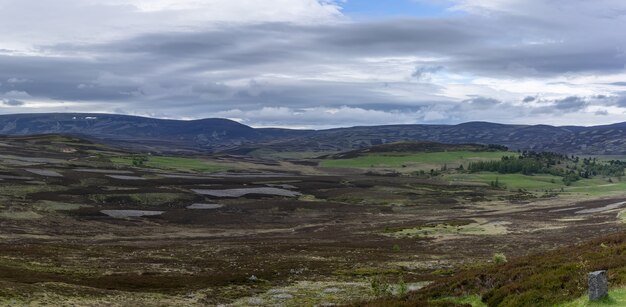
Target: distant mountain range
222, 135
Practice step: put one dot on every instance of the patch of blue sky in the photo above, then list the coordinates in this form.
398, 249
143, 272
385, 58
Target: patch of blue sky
362, 9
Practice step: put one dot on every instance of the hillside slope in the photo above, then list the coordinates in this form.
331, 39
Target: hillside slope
133, 131
545, 279
222, 134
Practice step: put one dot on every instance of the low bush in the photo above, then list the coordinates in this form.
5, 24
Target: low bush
499, 258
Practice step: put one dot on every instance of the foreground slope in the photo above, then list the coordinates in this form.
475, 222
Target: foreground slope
555, 278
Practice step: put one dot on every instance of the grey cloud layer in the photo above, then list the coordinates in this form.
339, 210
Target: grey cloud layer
243, 68
464, 44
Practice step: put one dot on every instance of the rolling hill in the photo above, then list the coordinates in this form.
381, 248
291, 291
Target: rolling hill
217, 135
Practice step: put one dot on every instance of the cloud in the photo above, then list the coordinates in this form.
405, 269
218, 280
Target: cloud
319, 117
425, 72
192, 58
16, 80
620, 100
25, 23
570, 104
482, 102
11, 102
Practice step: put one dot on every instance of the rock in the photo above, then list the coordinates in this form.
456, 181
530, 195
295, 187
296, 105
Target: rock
332, 290
277, 291
598, 285
255, 301
283, 296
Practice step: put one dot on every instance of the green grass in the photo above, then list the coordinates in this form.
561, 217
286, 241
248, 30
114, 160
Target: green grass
510, 181
617, 297
593, 187
473, 300
426, 160
175, 163
46, 205
19, 215
598, 187
286, 155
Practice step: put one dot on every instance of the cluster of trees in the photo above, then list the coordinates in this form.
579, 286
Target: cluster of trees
139, 161
570, 177
527, 163
496, 147
591, 167
571, 168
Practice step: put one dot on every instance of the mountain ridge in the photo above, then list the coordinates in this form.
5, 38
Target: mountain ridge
219, 134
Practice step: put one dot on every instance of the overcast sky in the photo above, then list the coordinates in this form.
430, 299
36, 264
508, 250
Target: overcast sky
318, 63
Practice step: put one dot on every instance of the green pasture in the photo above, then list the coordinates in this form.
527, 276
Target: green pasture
510, 181
425, 160
598, 186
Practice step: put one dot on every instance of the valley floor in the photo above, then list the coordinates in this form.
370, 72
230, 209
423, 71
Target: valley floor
87, 228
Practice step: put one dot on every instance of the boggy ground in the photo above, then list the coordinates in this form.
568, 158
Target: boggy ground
323, 246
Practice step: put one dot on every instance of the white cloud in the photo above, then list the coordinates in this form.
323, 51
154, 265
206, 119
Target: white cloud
25, 24
320, 117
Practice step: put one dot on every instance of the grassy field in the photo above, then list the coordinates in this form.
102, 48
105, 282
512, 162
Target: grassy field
408, 162
425, 161
286, 155
174, 163
598, 187
473, 300
510, 181
617, 297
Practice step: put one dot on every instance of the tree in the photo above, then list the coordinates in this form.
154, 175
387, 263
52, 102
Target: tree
139, 161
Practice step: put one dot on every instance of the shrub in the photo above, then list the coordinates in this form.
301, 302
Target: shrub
139, 161
380, 287
403, 288
499, 258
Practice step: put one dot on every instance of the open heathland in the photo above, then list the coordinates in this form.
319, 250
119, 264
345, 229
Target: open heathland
124, 228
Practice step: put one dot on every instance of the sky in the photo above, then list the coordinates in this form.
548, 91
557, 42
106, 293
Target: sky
318, 63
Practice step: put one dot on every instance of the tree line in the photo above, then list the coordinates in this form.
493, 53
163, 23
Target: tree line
571, 168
